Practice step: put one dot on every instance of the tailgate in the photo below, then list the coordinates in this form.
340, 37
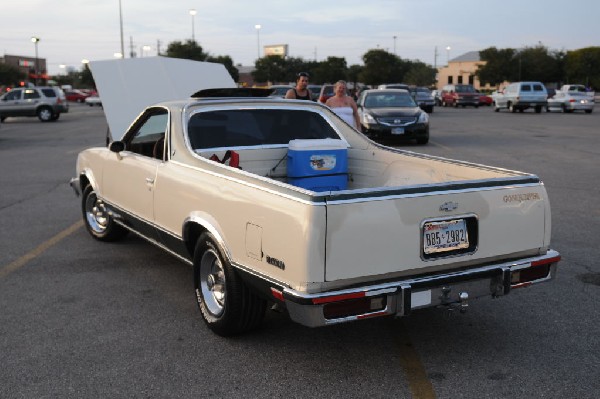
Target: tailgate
386, 234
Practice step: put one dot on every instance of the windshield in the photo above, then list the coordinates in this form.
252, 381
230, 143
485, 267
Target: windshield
465, 89
383, 100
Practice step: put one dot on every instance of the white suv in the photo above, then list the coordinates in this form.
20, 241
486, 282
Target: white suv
47, 103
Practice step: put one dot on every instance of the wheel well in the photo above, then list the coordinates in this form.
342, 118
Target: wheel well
83, 182
190, 234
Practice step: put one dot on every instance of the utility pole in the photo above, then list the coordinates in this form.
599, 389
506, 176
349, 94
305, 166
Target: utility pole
435, 54
131, 48
157, 46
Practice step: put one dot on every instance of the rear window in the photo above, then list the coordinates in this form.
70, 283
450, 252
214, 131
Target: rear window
538, 88
49, 92
255, 127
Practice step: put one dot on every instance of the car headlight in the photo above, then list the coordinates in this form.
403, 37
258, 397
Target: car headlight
423, 118
368, 119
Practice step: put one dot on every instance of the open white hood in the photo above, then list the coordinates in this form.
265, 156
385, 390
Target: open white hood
127, 86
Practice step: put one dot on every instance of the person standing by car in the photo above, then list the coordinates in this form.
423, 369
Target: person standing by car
300, 92
343, 105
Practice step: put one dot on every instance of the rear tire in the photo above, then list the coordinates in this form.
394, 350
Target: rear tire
512, 108
45, 114
227, 305
538, 109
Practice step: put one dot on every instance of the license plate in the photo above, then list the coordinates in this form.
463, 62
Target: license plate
446, 235
398, 130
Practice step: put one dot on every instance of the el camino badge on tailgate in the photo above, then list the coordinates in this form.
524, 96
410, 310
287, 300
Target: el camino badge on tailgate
446, 235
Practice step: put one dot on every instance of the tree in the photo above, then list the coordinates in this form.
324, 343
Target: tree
228, 63
383, 67
583, 66
272, 68
537, 63
499, 66
87, 80
420, 74
190, 50
9, 75
331, 70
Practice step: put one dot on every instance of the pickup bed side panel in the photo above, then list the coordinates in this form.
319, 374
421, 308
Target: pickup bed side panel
367, 237
274, 235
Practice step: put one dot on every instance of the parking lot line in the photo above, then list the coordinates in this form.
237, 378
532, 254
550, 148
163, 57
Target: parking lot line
22, 261
418, 382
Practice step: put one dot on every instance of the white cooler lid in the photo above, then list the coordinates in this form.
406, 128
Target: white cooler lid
317, 144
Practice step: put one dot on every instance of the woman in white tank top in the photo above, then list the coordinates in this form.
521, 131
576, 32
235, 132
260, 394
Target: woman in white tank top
343, 105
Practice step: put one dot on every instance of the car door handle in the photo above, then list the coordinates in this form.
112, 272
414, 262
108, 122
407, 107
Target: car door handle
149, 181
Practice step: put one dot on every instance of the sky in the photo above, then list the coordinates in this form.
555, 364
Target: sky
73, 30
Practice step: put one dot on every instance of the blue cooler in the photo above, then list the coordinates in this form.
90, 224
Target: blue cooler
318, 165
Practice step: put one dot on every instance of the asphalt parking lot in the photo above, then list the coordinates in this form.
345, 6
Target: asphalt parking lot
80, 318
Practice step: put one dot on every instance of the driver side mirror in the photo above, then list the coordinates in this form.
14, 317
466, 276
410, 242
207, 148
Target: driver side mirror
117, 146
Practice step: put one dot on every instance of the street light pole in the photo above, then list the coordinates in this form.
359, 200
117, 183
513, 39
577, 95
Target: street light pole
394, 45
257, 27
448, 55
121, 26
193, 14
35, 41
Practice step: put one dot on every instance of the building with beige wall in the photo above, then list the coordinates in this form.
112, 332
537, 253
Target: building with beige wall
461, 70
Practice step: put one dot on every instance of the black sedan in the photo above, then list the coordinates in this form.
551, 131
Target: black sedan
392, 114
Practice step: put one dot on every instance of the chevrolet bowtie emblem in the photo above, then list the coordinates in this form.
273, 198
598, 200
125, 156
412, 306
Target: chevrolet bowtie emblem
448, 206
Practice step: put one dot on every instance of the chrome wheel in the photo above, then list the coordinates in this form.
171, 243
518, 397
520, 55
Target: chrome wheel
212, 282
95, 214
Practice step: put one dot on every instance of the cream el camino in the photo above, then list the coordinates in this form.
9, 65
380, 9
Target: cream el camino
309, 214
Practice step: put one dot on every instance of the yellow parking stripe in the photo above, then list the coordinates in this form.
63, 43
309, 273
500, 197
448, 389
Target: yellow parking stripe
5, 271
418, 382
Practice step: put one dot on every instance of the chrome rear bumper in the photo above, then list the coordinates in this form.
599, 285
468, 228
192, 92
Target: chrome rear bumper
399, 298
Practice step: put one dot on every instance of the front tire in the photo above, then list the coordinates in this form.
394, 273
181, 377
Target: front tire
97, 220
226, 303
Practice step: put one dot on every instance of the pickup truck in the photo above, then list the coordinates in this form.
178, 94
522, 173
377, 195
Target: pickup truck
280, 202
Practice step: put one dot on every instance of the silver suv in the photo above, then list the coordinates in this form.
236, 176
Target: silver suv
47, 103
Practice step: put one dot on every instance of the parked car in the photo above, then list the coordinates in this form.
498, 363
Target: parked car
279, 91
326, 93
392, 114
77, 96
423, 98
459, 94
437, 97
393, 86
47, 103
520, 96
571, 101
93, 100
484, 99
315, 91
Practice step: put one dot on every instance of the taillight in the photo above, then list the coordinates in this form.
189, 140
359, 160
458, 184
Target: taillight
354, 307
572, 100
538, 270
